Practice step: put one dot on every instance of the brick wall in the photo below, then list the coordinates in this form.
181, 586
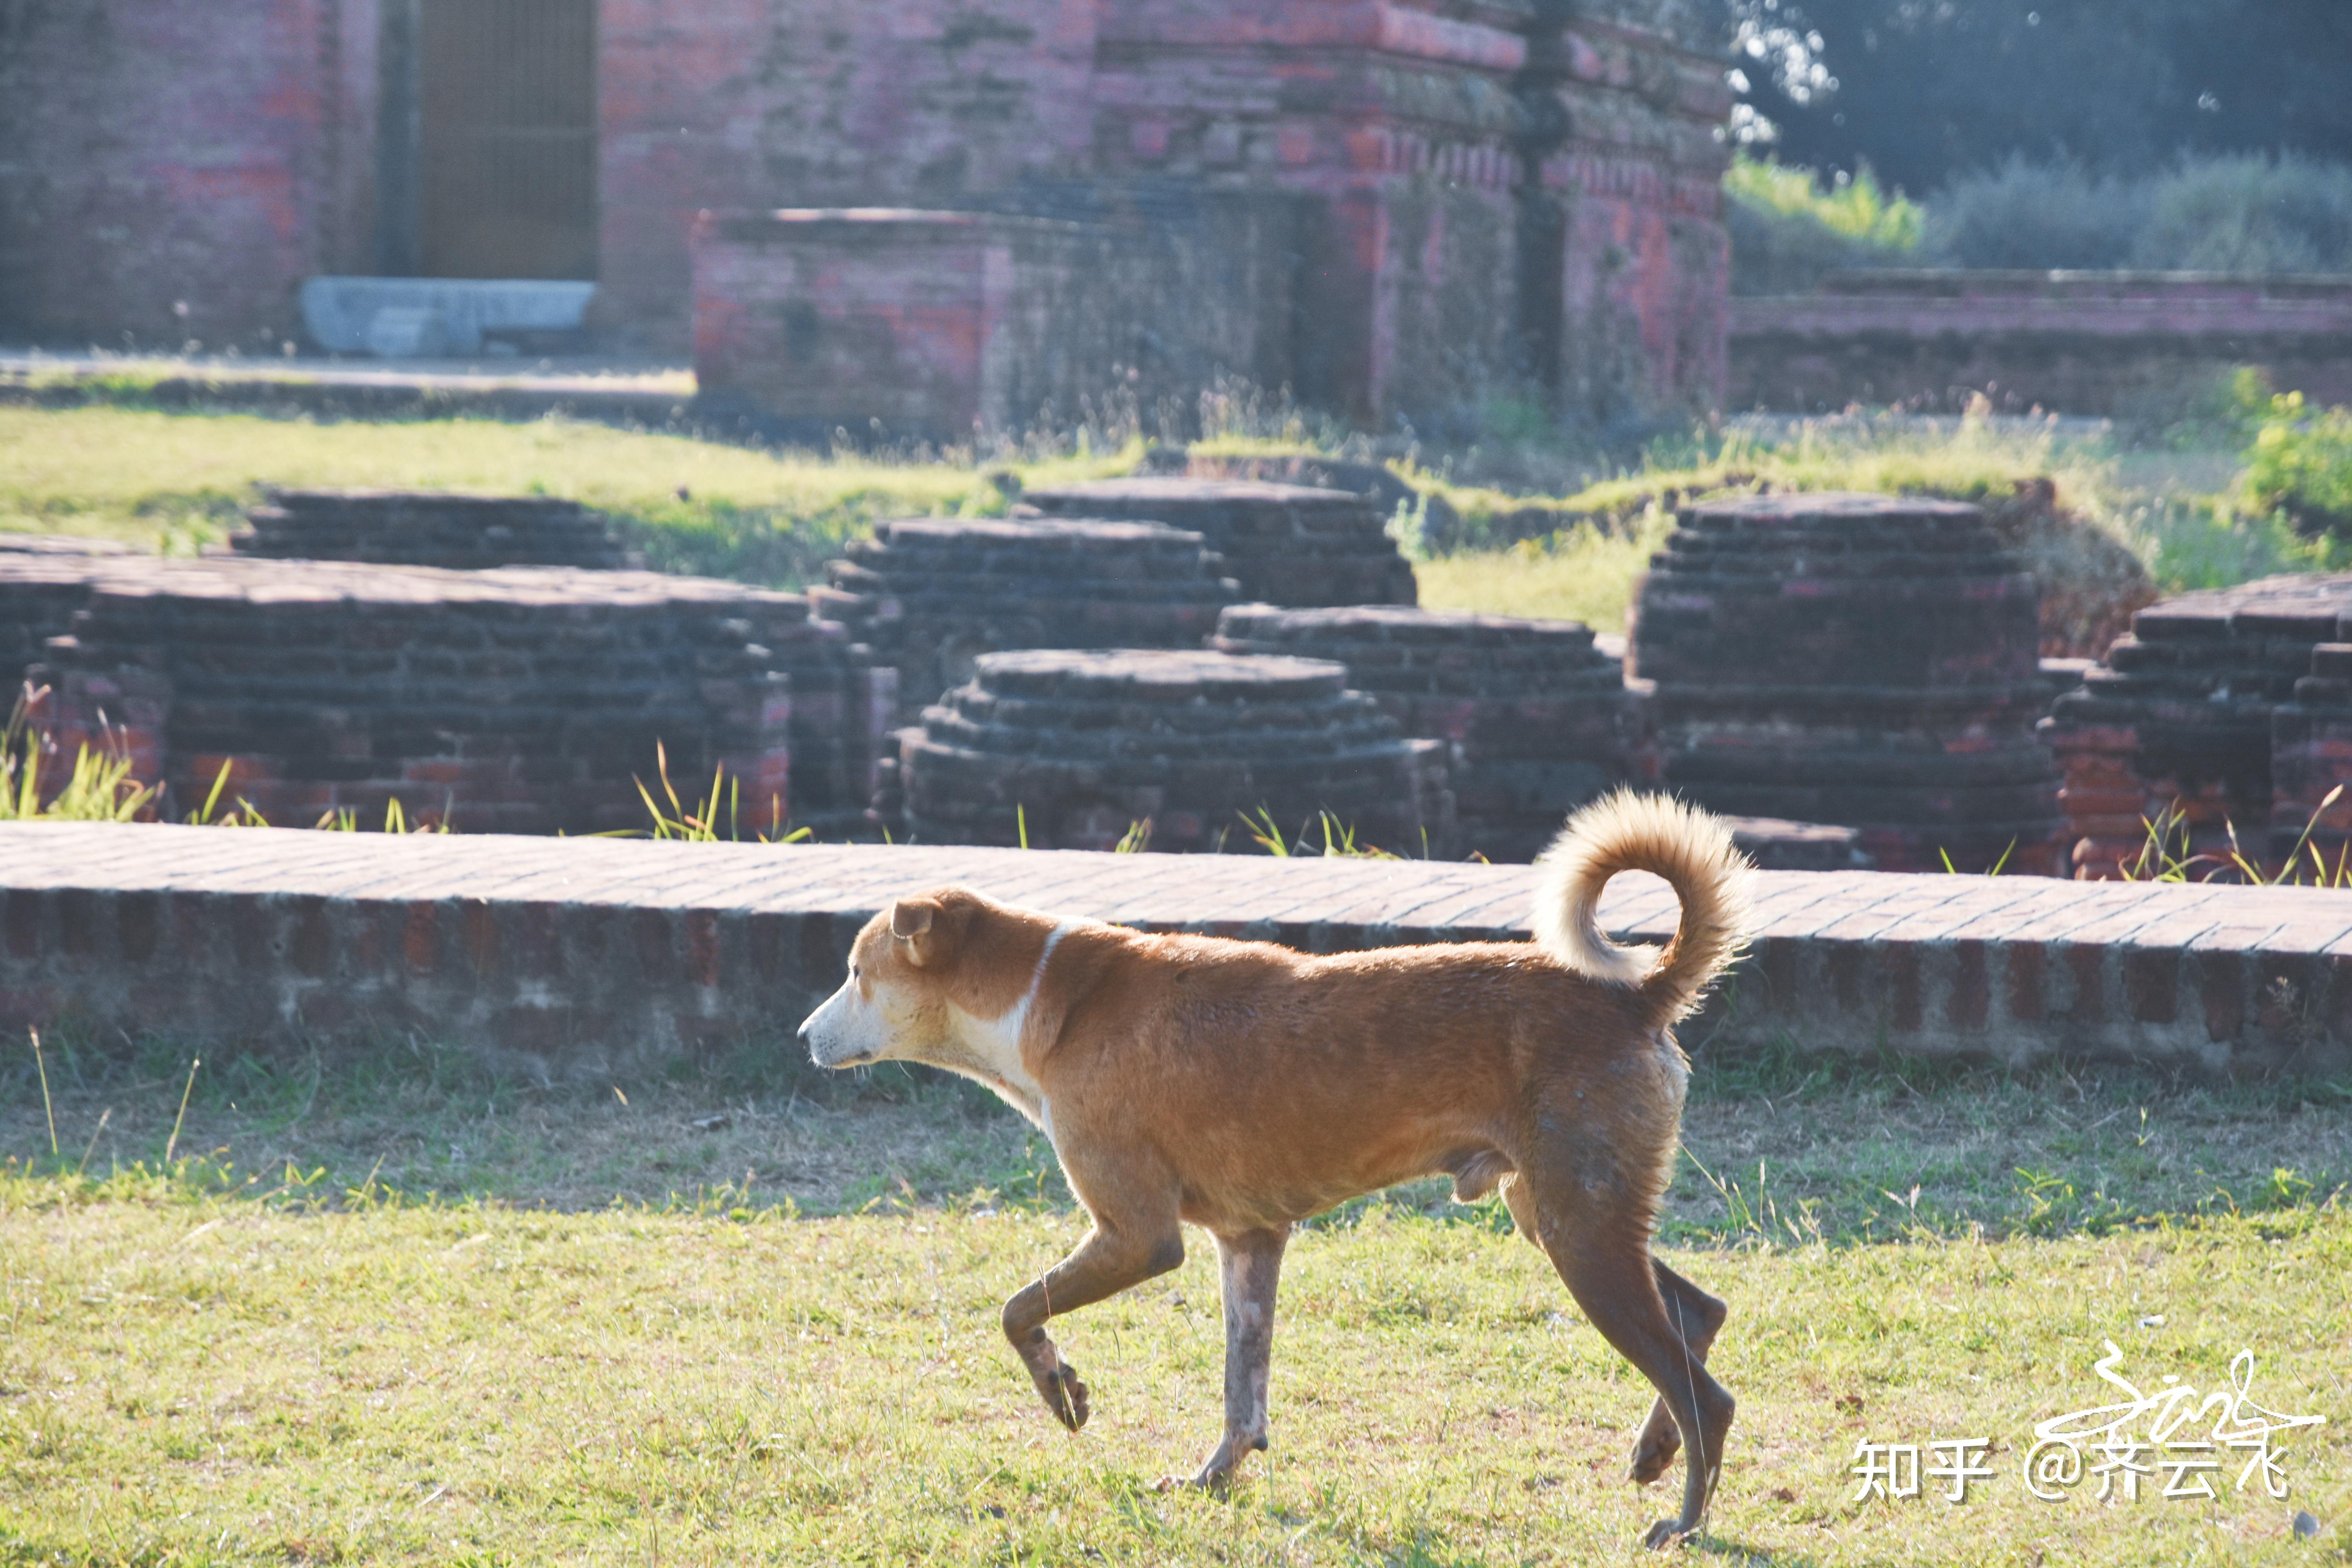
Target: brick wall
1345, 199
2105, 343
1634, 183
1391, 207
736, 105
579, 959
926, 323
524, 700
173, 170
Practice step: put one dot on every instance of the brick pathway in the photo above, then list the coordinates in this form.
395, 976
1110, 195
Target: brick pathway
579, 955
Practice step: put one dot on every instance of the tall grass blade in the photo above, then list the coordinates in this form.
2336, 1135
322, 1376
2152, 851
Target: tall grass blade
173, 1142
51, 1110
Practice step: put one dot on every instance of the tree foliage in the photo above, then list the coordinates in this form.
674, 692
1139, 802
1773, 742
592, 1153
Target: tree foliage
1922, 91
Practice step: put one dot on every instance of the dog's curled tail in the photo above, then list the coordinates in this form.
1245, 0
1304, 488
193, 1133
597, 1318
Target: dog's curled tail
1692, 850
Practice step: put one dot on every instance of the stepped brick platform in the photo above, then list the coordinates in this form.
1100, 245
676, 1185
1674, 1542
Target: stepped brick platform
1286, 544
931, 594
577, 959
2311, 763
1778, 845
463, 532
2185, 713
526, 699
1080, 745
43, 581
1536, 721
1866, 660
60, 544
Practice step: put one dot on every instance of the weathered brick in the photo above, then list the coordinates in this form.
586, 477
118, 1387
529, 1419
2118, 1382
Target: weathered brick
82, 915
312, 951
2152, 983
23, 922
482, 945
2221, 988
1966, 1005
139, 923
1906, 987
2086, 966
420, 941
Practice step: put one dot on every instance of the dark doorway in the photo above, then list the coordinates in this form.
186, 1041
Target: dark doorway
507, 138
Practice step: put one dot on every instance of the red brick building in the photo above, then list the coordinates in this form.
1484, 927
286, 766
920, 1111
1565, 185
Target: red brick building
1391, 206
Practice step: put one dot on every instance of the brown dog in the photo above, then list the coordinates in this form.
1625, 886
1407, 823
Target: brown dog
1241, 1086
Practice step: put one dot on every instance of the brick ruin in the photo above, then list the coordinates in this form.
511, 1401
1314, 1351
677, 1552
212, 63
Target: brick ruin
1071, 749
2219, 709
431, 527
1864, 660
1395, 209
525, 700
2127, 344
1535, 719
929, 595
1853, 679
1285, 544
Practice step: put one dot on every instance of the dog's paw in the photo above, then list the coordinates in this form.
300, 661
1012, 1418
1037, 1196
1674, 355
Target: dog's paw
1653, 1452
1668, 1532
1064, 1394
1214, 1479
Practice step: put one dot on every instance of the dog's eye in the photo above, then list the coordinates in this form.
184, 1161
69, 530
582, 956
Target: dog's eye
853, 971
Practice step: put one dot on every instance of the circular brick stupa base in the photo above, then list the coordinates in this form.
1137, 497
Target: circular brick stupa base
1286, 544
1085, 744
1536, 720
931, 594
529, 699
457, 530
2219, 710
1871, 661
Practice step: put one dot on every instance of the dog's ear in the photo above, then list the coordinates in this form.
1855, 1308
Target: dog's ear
910, 921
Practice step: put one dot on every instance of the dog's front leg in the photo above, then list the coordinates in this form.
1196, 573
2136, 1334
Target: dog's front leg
1248, 1264
1106, 1262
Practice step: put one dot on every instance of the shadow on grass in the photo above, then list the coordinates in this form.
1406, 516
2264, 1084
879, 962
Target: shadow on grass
750, 1128
1781, 1148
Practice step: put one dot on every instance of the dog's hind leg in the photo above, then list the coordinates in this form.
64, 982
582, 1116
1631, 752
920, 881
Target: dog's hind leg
1697, 1316
1106, 1262
1601, 1249
1248, 1265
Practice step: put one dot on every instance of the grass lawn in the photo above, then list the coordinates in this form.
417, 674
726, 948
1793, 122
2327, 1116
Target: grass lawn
177, 479
2175, 509
446, 1319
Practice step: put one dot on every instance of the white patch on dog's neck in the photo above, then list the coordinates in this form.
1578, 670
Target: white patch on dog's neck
996, 1043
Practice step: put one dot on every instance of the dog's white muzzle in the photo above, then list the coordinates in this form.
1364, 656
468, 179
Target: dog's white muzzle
842, 1032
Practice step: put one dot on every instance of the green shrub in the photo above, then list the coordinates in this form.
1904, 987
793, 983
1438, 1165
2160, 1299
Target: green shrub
2235, 214
2249, 213
1854, 207
1788, 228
2036, 216
2301, 464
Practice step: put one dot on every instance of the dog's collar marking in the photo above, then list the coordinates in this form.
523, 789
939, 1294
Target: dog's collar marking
997, 1041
